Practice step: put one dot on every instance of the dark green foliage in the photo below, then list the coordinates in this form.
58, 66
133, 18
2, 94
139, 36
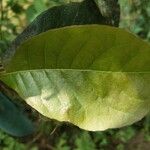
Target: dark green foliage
9, 143
16, 8
136, 17
54, 136
79, 13
110, 9
12, 119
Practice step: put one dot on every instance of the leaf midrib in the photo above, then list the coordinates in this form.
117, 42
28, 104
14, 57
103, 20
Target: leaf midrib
78, 70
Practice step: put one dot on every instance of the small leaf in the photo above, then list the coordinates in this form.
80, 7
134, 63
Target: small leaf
96, 77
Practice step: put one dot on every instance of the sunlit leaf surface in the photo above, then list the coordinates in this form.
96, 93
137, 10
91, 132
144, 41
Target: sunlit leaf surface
96, 77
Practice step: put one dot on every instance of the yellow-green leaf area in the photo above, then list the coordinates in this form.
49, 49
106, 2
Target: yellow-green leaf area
96, 77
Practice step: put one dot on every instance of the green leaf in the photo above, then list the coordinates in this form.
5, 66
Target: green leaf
12, 119
96, 77
85, 142
35, 10
78, 13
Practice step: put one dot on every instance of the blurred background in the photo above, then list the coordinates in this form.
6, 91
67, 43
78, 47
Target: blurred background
15, 15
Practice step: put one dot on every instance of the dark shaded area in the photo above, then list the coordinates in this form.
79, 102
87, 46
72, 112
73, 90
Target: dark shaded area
12, 118
86, 12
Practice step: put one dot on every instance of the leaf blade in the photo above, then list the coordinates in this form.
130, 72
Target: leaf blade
78, 13
12, 119
87, 75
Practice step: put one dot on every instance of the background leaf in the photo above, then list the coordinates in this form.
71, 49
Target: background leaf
12, 118
79, 13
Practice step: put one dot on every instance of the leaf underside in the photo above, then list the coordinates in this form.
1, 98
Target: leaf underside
96, 77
